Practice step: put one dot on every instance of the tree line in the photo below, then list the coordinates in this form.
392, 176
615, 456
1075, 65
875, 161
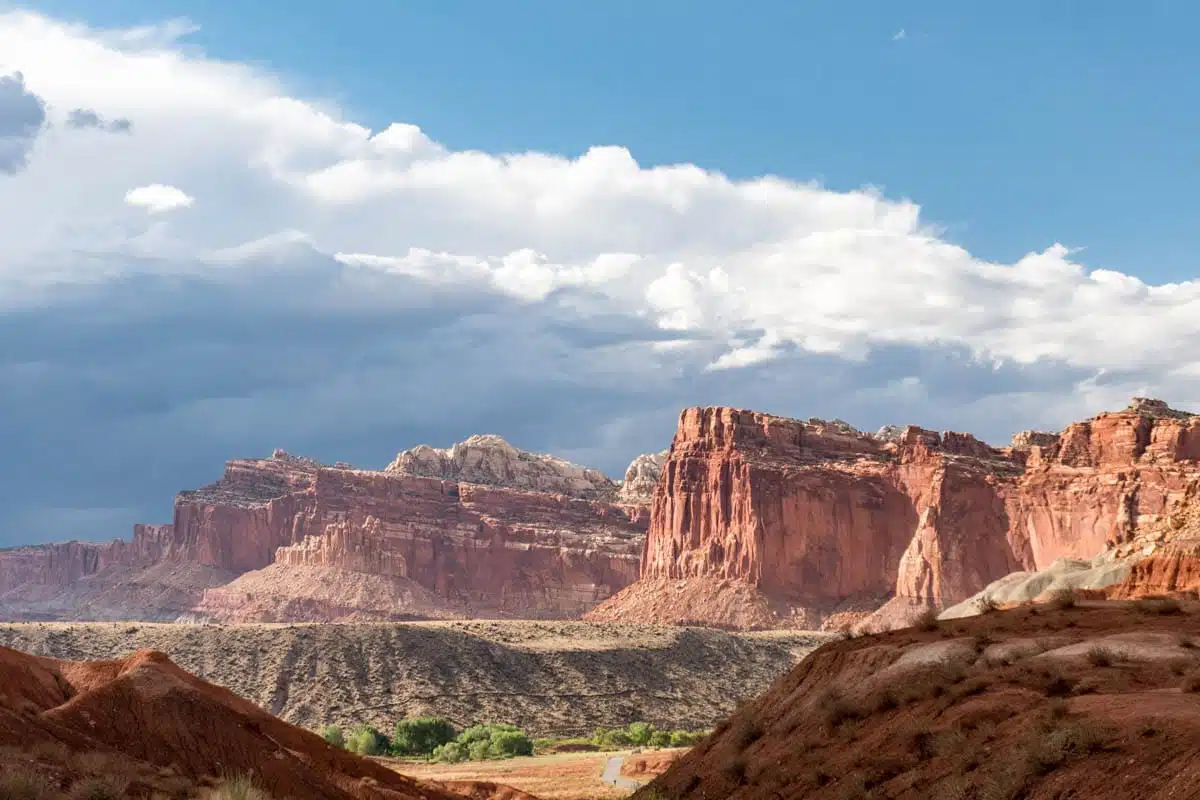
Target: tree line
435, 738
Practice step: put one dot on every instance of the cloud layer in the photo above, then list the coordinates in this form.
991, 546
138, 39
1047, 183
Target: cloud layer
347, 292
21, 116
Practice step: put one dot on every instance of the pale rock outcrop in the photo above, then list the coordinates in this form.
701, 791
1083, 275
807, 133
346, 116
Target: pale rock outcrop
489, 460
641, 478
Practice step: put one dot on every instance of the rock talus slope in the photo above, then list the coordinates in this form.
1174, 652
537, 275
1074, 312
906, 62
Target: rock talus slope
762, 521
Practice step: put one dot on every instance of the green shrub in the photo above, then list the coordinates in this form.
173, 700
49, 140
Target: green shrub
420, 737
660, 739
508, 744
366, 741
639, 733
614, 737
333, 734
483, 742
479, 750
685, 738
451, 753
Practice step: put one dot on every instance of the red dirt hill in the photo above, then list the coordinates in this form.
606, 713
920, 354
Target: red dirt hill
145, 722
1097, 700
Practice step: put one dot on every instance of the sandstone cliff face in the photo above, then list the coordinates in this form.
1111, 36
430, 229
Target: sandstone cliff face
357, 544
815, 515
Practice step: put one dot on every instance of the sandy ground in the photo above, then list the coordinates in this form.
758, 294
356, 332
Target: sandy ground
552, 678
565, 776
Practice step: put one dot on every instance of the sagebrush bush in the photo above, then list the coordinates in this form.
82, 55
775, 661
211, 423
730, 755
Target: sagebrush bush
1062, 599
927, 620
333, 734
1158, 605
238, 787
20, 785
1101, 656
95, 789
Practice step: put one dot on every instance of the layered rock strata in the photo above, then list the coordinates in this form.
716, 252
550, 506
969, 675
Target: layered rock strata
801, 518
424, 538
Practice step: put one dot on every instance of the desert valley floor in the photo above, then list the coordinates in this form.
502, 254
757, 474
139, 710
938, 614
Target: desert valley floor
556, 678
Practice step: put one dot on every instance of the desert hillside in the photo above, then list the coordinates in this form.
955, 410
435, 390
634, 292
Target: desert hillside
551, 678
140, 727
1071, 699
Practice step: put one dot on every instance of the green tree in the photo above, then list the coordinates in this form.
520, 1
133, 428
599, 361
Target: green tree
640, 733
685, 738
660, 739
333, 734
480, 749
366, 741
420, 737
510, 743
451, 753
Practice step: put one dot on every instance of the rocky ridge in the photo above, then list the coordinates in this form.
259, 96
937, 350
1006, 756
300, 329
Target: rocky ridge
764, 521
287, 538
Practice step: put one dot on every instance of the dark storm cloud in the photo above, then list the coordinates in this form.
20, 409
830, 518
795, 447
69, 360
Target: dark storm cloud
118, 395
22, 115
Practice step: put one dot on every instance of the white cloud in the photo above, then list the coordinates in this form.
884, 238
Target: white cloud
899, 35
731, 276
157, 198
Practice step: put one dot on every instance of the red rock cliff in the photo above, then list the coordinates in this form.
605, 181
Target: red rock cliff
809, 517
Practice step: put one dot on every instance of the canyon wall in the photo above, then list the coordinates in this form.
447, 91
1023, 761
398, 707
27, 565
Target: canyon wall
764, 521
287, 538
753, 521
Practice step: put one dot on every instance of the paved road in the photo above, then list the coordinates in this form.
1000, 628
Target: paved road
613, 777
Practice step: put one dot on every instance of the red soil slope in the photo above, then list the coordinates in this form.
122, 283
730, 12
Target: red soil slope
158, 722
1097, 701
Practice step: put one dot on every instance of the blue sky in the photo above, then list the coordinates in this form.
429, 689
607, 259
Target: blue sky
1015, 125
348, 232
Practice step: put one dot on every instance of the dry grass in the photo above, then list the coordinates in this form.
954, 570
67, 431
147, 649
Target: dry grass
1158, 605
238, 787
1063, 599
1101, 656
21, 785
563, 776
927, 620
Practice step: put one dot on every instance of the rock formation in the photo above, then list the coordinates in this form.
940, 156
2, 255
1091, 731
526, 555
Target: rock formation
491, 461
480, 529
763, 521
641, 478
754, 521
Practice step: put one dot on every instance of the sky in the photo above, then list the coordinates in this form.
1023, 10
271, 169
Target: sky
232, 227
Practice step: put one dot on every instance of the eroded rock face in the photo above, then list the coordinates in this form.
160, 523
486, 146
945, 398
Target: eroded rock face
812, 515
39, 569
440, 548
641, 478
491, 461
